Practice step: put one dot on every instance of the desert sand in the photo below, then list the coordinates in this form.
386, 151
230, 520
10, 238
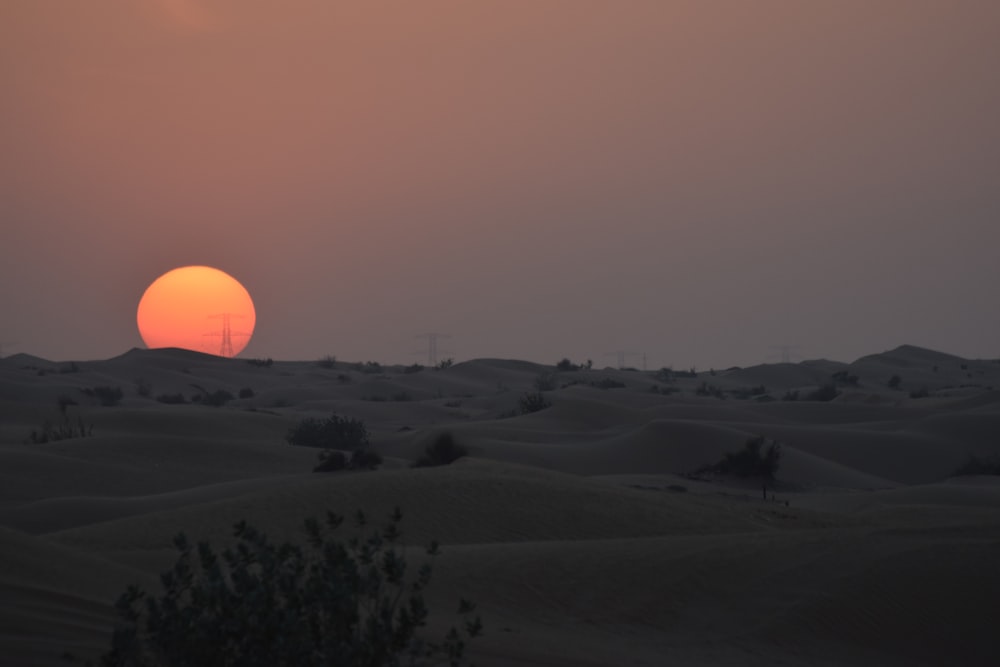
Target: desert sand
578, 530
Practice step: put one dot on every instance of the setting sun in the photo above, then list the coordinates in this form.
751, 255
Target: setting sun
197, 308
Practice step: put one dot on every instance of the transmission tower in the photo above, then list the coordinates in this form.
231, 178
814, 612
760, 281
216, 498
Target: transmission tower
623, 355
226, 348
432, 346
785, 353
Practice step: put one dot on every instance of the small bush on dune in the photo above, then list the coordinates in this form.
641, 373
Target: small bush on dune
533, 402
246, 392
827, 392
751, 461
107, 396
443, 451
363, 458
354, 603
334, 432
977, 466
217, 398
171, 399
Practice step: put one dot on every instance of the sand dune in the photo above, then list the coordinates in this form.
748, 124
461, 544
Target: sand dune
577, 529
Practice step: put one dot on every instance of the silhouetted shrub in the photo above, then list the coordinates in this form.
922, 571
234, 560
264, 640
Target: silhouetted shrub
327, 362
545, 381
705, 389
791, 395
73, 367
977, 466
64, 429
246, 392
749, 392
326, 602
894, 382
107, 396
665, 374
64, 402
920, 393
143, 388
608, 383
845, 378
171, 399
413, 368
331, 460
344, 378
370, 367
217, 398
666, 391
334, 432
262, 363
444, 364
567, 365
364, 458
751, 461
827, 392
533, 401
443, 451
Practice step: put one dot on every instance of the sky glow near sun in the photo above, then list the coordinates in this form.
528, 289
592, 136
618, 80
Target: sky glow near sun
192, 307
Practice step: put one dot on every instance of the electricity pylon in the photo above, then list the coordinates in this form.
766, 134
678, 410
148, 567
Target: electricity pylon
622, 356
226, 348
785, 353
432, 345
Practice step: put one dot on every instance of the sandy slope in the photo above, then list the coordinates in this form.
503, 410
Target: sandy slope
577, 529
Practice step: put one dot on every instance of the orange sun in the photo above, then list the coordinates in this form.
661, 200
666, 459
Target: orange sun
197, 308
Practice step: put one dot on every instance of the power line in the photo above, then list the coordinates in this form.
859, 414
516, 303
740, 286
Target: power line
785, 353
226, 347
432, 345
622, 355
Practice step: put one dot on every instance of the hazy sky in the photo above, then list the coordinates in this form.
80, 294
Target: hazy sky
694, 180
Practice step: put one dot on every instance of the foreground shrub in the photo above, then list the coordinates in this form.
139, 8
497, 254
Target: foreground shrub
352, 603
107, 396
334, 432
751, 461
443, 451
977, 466
332, 460
64, 429
827, 392
533, 401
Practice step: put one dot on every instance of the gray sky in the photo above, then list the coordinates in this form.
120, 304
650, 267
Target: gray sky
694, 180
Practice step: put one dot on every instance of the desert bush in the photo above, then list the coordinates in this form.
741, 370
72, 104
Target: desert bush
334, 432
327, 362
705, 389
791, 395
261, 363
978, 466
666, 391
845, 378
353, 602
364, 458
331, 460
607, 383
64, 429
444, 364
370, 367
533, 401
107, 396
143, 388
246, 392
545, 381
665, 374
63, 402
749, 392
827, 392
217, 398
751, 461
443, 451
73, 367
343, 378
172, 399
413, 368
894, 382
920, 393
